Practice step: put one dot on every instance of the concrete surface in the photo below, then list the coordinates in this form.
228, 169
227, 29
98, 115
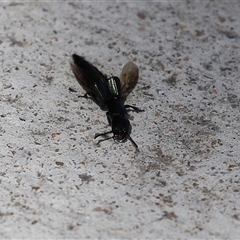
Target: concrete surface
55, 182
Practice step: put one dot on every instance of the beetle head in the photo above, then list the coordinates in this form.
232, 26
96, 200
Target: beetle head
121, 128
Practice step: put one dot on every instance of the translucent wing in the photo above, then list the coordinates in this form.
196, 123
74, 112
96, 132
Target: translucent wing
128, 78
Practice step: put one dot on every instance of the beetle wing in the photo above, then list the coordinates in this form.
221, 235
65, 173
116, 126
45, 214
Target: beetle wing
128, 78
79, 76
91, 80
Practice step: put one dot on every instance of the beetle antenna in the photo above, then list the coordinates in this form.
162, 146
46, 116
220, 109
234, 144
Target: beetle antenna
133, 143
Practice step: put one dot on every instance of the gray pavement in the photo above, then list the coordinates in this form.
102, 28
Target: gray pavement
56, 182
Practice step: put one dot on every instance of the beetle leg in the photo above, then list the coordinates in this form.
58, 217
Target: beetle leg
109, 118
101, 140
86, 95
133, 108
102, 134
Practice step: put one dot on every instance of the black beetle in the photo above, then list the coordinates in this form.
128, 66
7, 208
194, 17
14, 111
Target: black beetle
109, 94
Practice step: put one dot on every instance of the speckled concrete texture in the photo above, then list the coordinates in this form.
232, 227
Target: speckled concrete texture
56, 182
